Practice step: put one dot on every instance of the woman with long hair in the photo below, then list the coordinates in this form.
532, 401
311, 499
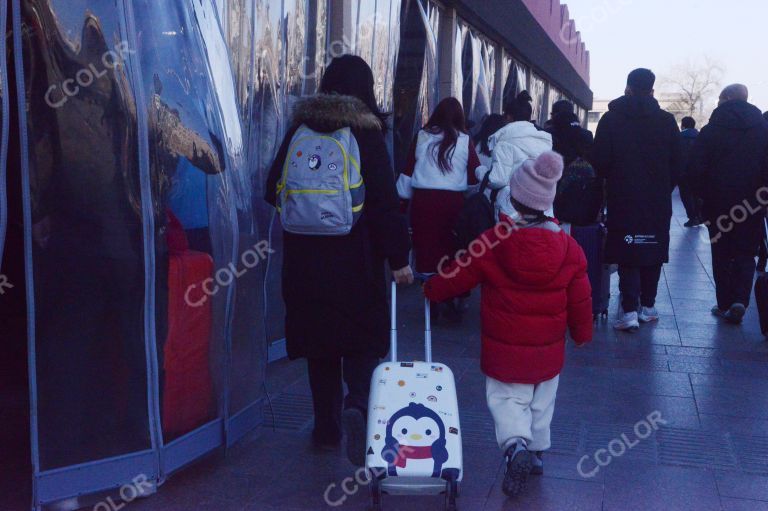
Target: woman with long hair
333, 286
440, 168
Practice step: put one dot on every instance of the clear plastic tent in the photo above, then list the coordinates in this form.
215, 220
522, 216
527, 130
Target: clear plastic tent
376, 38
538, 90
477, 74
148, 131
516, 80
416, 83
4, 125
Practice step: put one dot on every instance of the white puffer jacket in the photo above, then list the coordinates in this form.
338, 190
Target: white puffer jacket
512, 145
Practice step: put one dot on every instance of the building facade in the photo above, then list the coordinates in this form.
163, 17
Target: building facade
137, 133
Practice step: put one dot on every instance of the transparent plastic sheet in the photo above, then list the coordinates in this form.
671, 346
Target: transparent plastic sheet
457, 78
523, 77
364, 30
507, 73
510, 79
477, 70
4, 114
387, 46
265, 125
315, 58
485, 52
248, 354
237, 19
85, 233
416, 80
190, 172
538, 90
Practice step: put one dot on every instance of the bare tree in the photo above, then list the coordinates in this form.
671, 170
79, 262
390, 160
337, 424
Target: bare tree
693, 86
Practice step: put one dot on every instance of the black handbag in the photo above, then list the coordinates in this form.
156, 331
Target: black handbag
476, 216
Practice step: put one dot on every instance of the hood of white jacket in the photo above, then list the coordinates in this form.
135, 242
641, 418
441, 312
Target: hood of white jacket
524, 135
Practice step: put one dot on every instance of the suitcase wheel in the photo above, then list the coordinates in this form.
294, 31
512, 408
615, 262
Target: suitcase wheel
451, 494
375, 493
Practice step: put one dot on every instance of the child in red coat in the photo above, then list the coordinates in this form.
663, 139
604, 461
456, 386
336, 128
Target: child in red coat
534, 289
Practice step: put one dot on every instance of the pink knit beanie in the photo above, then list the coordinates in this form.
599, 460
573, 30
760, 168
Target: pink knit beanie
534, 184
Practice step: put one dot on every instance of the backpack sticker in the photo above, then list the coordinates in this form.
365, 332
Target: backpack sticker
315, 162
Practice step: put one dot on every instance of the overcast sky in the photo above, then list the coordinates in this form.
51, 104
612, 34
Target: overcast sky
624, 34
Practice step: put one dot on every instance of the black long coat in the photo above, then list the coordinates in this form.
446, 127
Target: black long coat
729, 165
637, 151
334, 287
569, 138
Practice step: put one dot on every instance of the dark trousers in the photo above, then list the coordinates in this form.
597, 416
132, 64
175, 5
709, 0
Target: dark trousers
326, 378
734, 271
638, 285
691, 203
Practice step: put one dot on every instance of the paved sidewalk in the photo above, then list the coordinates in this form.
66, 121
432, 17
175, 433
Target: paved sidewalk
708, 381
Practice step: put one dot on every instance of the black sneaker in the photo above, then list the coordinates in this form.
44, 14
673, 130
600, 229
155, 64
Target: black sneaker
538, 463
355, 428
692, 223
519, 466
736, 313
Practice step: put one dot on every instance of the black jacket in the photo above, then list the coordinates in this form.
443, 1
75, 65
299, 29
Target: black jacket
687, 140
334, 288
569, 138
729, 164
637, 150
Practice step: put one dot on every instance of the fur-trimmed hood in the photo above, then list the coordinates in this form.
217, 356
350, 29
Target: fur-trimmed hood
325, 113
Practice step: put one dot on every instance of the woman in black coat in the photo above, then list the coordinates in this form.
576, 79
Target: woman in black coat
334, 287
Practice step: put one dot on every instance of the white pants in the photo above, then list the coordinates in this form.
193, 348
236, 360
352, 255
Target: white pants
522, 412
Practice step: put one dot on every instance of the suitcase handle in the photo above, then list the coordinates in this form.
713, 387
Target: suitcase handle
427, 324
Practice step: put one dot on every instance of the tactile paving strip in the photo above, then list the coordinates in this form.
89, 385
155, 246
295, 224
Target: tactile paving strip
566, 437
695, 448
289, 412
477, 428
752, 453
606, 436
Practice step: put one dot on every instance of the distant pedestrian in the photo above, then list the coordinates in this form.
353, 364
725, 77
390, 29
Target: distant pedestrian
440, 167
568, 137
690, 201
513, 144
534, 288
492, 124
637, 151
729, 166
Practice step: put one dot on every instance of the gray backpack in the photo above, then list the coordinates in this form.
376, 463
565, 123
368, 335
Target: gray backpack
321, 191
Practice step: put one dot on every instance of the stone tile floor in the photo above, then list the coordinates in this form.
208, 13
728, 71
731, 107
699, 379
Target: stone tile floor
708, 381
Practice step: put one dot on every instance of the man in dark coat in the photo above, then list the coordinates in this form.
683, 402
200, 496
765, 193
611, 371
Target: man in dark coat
690, 201
568, 137
729, 166
637, 151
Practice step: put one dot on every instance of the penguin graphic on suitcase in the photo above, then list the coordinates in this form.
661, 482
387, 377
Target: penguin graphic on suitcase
415, 442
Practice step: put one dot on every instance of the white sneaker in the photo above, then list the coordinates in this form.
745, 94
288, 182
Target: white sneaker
629, 322
648, 315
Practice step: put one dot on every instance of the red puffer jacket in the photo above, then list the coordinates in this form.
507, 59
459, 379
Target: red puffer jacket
534, 287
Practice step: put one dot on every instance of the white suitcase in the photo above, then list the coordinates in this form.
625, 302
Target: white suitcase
414, 438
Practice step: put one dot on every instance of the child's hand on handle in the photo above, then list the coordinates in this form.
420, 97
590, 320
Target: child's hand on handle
403, 275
